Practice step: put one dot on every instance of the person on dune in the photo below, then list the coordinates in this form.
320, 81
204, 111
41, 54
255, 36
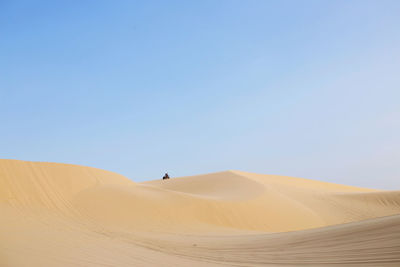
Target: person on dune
166, 176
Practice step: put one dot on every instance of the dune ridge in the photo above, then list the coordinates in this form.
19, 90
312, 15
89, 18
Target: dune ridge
84, 216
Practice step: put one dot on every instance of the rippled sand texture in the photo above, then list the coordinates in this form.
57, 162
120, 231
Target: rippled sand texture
67, 215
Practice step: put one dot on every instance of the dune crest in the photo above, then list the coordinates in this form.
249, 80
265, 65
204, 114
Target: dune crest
87, 216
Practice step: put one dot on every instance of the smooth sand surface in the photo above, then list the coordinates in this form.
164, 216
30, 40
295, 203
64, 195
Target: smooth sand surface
67, 215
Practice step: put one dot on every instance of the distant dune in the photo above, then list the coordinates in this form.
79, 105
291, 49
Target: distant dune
67, 215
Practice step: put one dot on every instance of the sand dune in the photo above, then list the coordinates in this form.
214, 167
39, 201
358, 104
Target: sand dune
68, 215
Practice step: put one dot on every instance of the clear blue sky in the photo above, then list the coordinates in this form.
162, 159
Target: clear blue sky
299, 88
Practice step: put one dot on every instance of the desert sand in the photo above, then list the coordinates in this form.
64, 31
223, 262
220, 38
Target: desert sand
55, 214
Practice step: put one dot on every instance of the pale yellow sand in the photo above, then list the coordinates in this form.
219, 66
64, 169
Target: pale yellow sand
67, 215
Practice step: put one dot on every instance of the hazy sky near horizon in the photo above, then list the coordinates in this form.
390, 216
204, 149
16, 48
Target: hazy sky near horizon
299, 88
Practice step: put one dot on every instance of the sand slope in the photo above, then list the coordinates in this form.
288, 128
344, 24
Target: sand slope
68, 215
